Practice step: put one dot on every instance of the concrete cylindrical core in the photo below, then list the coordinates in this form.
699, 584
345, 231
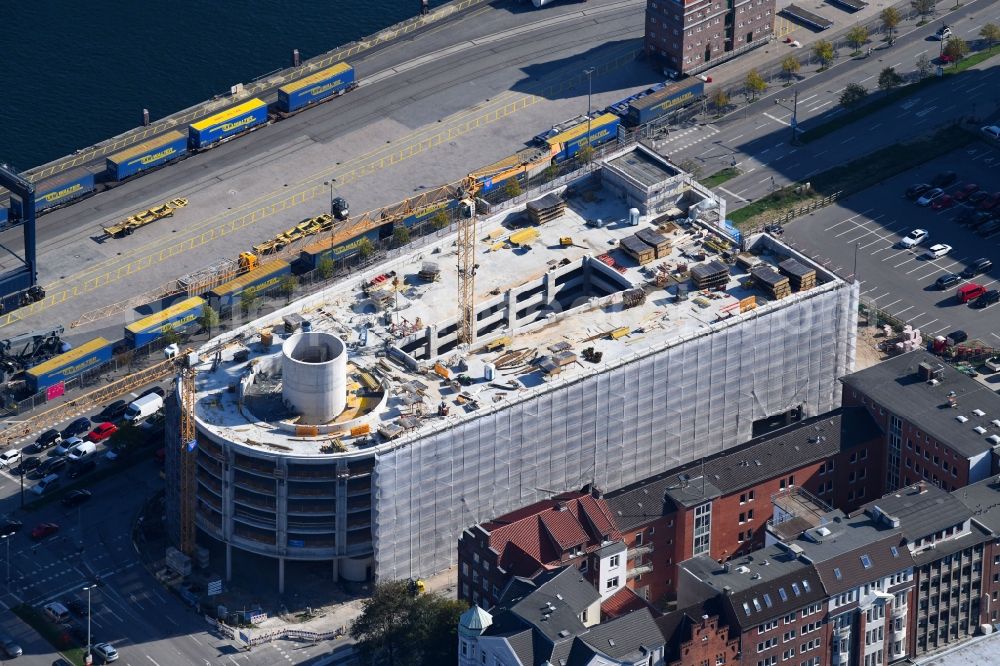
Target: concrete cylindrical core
314, 375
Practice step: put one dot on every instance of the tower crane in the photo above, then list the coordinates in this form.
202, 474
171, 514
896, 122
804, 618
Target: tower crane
189, 449
467, 261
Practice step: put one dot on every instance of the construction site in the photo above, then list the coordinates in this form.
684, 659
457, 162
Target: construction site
605, 330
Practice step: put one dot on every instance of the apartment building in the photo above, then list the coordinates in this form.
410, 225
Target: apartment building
688, 36
940, 425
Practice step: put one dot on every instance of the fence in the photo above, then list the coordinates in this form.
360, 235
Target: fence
787, 216
284, 633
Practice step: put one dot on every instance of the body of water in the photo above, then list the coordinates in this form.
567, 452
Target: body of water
75, 73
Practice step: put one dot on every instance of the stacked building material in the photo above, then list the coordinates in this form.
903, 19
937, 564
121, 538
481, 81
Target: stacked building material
656, 240
548, 208
429, 271
711, 275
801, 277
633, 297
770, 281
636, 249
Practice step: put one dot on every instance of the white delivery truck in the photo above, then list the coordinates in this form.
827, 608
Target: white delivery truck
143, 408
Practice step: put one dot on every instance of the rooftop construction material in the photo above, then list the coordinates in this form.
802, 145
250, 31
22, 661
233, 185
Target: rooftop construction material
580, 362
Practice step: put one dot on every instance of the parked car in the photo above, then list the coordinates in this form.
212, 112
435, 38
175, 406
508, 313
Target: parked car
957, 338
981, 265
965, 191
77, 607
75, 498
937, 251
928, 197
943, 33
987, 299
914, 238
947, 280
102, 432
988, 229
10, 458
76, 428
47, 439
942, 202
29, 463
151, 391
106, 651
944, 179
10, 526
914, 191
979, 218
990, 202
970, 291
991, 131
11, 649
112, 412
979, 197
78, 469
42, 530
49, 466
66, 446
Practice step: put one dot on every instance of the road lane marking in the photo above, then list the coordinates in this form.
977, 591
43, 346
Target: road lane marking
820, 106
152, 660
775, 119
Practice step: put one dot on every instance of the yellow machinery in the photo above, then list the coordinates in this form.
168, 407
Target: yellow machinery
188, 450
565, 241
467, 261
138, 220
303, 229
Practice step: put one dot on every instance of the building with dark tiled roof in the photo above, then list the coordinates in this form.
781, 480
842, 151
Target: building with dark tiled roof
574, 529
719, 507
940, 425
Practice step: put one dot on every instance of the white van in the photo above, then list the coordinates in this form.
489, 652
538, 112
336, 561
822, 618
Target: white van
57, 612
143, 408
82, 451
43, 486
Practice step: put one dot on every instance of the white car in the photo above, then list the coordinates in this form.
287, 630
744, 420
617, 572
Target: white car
929, 196
937, 251
10, 458
106, 651
943, 33
991, 131
914, 238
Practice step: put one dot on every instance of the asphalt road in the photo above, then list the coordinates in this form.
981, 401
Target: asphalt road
448, 100
757, 137
901, 281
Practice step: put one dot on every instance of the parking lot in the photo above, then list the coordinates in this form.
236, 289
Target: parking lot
869, 226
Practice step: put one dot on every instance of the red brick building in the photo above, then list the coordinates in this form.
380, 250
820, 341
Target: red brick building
696, 636
568, 529
720, 507
691, 35
940, 425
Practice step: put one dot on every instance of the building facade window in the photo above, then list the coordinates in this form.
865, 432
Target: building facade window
702, 529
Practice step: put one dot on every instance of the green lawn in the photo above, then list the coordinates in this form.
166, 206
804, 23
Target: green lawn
719, 177
60, 640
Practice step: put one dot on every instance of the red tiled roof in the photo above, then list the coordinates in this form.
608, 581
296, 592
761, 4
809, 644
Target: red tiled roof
622, 602
599, 514
564, 528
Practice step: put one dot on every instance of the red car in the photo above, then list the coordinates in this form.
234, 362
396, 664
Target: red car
964, 192
942, 202
102, 432
43, 530
990, 202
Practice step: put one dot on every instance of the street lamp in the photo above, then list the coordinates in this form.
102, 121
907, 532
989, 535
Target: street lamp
6, 539
89, 658
795, 113
590, 89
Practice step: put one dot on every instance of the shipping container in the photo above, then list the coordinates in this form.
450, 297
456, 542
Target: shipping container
59, 189
664, 100
253, 283
312, 254
427, 213
527, 162
228, 123
315, 87
147, 155
566, 144
177, 317
60, 368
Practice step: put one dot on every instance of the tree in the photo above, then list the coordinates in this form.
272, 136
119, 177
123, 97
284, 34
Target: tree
790, 66
957, 48
400, 236
889, 79
287, 286
209, 318
550, 172
890, 19
399, 628
755, 84
924, 66
991, 33
325, 268
440, 219
512, 188
365, 248
720, 100
823, 50
249, 302
170, 335
923, 7
853, 94
857, 37
585, 154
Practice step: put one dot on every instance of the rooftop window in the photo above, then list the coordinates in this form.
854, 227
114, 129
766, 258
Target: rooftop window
866, 561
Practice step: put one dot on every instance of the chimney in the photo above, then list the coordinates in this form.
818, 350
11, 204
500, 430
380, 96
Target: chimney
921, 488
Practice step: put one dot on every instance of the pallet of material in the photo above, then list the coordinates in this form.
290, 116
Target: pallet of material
770, 281
656, 240
633, 297
710, 275
429, 271
636, 249
800, 276
746, 261
548, 208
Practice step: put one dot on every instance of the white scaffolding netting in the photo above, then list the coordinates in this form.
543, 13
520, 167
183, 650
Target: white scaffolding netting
646, 416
